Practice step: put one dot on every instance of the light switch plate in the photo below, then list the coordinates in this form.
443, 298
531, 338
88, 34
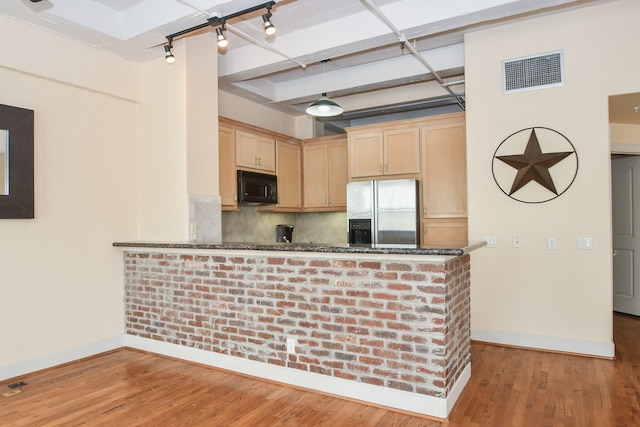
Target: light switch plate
492, 241
585, 243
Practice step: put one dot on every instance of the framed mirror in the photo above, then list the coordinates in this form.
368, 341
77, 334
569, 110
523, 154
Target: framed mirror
16, 158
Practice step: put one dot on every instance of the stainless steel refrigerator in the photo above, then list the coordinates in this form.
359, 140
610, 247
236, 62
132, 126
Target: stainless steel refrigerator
383, 213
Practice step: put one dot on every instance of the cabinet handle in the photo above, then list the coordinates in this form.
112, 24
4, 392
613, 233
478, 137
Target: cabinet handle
329, 201
386, 167
380, 168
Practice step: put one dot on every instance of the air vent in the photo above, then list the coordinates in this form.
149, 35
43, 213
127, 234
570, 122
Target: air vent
533, 72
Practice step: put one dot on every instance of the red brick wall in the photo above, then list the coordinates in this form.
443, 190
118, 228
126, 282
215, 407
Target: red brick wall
397, 324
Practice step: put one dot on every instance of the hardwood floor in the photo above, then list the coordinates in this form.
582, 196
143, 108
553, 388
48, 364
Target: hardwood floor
508, 387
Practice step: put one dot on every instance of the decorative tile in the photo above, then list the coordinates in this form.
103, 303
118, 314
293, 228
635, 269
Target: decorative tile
205, 211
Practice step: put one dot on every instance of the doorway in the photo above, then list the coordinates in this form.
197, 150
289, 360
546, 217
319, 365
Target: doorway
624, 122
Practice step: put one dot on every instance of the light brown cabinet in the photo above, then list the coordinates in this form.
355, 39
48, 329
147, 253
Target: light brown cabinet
289, 172
239, 142
227, 167
325, 174
375, 152
255, 152
444, 180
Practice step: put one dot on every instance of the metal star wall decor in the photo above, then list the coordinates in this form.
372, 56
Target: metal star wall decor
534, 166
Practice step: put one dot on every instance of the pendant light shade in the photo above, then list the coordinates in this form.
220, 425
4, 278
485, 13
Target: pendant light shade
324, 107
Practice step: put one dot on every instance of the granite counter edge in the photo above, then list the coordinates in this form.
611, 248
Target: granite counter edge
454, 250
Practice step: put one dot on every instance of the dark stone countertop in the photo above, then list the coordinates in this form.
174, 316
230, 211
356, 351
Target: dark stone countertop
455, 249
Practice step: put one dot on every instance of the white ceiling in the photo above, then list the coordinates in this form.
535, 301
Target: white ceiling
367, 68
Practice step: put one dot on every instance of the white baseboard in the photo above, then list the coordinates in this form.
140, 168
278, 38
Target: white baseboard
59, 358
398, 399
540, 342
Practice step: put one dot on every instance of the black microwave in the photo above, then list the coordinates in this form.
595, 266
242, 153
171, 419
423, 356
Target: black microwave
257, 188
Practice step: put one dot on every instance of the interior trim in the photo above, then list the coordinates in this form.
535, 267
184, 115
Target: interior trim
625, 148
539, 342
382, 396
54, 359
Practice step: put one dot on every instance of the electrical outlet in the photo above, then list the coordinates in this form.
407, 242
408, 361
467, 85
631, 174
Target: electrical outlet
517, 241
552, 243
291, 345
492, 241
193, 230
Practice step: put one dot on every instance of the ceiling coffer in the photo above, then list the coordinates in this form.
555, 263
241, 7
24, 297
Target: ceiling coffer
533, 72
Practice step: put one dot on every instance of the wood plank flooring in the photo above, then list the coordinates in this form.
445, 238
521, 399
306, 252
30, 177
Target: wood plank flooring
508, 387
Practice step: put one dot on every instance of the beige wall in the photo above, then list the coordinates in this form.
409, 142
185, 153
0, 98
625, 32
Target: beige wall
234, 107
624, 134
562, 297
60, 278
178, 138
111, 160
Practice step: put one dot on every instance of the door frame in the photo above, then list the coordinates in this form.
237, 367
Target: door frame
630, 149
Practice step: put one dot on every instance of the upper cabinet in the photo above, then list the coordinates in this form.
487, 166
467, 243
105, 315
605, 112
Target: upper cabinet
325, 174
289, 173
256, 152
445, 171
242, 146
227, 166
383, 150
444, 180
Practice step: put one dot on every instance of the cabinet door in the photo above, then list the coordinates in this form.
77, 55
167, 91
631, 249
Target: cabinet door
289, 171
366, 154
338, 175
445, 172
401, 151
445, 232
316, 176
246, 150
255, 152
266, 153
227, 167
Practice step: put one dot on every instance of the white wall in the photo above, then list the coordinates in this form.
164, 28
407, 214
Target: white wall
558, 299
60, 278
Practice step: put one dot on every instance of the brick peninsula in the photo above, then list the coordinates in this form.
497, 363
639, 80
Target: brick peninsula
388, 326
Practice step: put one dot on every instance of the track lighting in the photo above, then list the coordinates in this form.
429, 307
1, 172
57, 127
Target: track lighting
222, 40
269, 29
168, 55
218, 22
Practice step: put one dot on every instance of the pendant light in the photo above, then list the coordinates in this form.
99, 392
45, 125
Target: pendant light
324, 107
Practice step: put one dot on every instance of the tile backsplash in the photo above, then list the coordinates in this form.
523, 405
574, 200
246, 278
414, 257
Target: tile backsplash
204, 215
249, 225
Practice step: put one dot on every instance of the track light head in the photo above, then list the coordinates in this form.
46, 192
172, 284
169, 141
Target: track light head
168, 55
269, 28
222, 40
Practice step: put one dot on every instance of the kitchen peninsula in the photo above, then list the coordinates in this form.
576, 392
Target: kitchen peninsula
389, 326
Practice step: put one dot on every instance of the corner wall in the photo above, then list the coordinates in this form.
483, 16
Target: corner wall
531, 296
60, 278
